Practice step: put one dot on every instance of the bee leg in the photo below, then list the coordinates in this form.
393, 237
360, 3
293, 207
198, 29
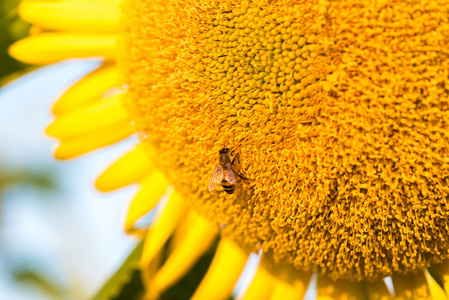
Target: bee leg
233, 160
235, 157
242, 177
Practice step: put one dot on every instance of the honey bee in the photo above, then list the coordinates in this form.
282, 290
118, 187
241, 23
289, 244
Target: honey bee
224, 173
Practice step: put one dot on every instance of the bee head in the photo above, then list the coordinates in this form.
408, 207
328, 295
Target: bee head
224, 151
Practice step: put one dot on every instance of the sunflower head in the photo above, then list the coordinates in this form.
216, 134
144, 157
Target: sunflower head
339, 113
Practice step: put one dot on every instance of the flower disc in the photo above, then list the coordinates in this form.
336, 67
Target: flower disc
339, 110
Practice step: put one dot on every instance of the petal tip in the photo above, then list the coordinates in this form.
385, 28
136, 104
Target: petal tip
101, 185
14, 51
49, 130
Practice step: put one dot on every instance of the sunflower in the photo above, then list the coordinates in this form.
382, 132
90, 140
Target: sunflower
338, 111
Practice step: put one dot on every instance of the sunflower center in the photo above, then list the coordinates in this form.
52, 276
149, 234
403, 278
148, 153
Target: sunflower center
339, 111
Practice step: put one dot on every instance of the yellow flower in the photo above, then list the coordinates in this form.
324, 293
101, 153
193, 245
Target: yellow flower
338, 110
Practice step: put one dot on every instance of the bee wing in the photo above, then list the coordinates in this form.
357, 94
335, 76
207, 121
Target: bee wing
216, 178
229, 174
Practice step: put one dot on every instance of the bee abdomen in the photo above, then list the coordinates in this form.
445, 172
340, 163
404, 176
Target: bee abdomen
228, 188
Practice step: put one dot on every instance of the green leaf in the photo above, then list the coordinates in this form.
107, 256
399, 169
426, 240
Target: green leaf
43, 179
124, 275
31, 277
133, 290
12, 28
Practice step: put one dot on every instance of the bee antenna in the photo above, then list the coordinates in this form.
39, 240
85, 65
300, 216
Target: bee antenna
224, 146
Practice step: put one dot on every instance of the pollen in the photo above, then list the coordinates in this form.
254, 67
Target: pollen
339, 110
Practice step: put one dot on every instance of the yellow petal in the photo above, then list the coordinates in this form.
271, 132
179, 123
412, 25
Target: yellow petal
289, 283
328, 289
226, 267
199, 235
411, 286
153, 188
88, 89
261, 287
151, 268
79, 145
87, 119
130, 168
436, 291
50, 47
159, 232
179, 233
72, 15
443, 271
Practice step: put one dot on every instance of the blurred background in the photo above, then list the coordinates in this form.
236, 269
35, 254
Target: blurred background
59, 237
